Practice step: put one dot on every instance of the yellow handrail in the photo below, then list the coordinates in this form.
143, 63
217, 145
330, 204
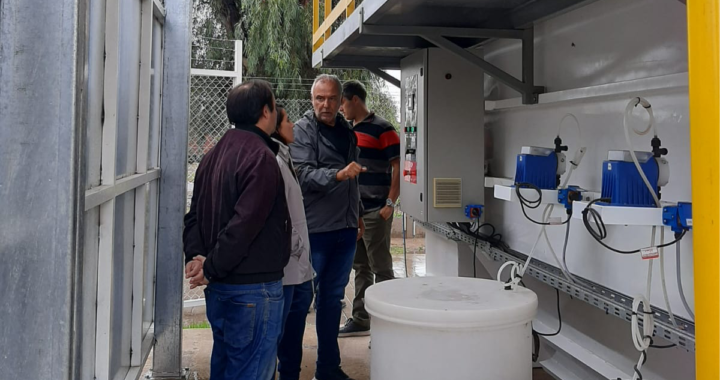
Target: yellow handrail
704, 74
321, 32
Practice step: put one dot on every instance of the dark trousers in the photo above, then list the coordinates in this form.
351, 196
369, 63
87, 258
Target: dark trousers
297, 303
332, 258
373, 262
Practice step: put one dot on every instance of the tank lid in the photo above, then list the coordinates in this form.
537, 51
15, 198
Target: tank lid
450, 302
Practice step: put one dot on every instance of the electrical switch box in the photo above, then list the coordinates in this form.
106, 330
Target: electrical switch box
442, 136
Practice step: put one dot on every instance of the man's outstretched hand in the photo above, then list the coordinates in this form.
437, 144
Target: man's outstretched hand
351, 171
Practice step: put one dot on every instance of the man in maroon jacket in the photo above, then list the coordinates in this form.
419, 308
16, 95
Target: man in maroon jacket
237, 238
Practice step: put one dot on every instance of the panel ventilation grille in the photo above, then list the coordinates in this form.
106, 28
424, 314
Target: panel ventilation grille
448, 193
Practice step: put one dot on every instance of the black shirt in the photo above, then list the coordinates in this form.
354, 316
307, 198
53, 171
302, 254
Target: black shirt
339, 136
239, 174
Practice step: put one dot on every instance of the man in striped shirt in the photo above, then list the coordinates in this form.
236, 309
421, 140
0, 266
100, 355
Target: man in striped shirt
379, 146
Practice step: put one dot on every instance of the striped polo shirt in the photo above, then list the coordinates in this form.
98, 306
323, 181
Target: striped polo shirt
379, 145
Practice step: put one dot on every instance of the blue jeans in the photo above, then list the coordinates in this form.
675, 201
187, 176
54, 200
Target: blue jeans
332, 258
246, 322
297, 303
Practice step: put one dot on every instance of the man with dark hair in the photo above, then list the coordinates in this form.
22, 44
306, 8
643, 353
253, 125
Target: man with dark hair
379, 190
237, 238
325, 154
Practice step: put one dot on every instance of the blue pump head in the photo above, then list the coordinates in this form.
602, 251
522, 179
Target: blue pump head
541, 167
623, 185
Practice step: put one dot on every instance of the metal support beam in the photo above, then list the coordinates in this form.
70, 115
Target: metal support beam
704, 73
528, 64
387, 30
528, 90
167, 354
384, 75
386, 63
438, 37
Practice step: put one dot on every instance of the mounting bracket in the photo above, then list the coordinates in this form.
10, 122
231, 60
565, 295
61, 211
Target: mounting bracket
438, 37
384, 75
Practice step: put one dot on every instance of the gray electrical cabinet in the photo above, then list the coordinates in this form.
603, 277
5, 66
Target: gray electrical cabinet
442, 136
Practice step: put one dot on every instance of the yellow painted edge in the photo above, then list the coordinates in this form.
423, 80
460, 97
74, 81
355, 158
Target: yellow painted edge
350, 9
330, 18
704, 85
318, 44
316, 15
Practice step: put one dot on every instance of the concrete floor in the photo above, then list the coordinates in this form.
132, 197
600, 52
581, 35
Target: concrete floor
197, 342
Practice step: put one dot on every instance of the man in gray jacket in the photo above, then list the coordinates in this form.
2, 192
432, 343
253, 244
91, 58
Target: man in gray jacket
325, 152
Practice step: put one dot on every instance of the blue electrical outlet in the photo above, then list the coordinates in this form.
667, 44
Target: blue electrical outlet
567, 196
679, 217
474, 211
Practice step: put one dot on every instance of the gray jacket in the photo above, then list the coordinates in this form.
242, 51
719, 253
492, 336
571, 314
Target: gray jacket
298, 270
329, 205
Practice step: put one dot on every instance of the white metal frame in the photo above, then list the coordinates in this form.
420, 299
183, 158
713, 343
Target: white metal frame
104, 188
236, 74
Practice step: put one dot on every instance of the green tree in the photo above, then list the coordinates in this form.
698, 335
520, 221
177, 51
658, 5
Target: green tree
277, 37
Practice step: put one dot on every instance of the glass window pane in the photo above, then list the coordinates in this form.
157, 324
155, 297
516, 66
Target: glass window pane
122, 282
128, 87
150, 255
155, 96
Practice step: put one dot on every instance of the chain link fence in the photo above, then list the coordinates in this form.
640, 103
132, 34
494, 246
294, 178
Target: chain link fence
208, 123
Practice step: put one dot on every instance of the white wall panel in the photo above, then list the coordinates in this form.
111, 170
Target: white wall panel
609, 41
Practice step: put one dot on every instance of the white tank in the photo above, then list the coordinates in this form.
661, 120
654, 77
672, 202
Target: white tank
441, 328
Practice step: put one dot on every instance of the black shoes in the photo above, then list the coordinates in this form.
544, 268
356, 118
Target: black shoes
351, 328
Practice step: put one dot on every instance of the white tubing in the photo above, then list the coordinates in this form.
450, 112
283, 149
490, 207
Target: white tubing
639, 338
628, 111
579, 153
532, 251
650, 267
515, 275
641, 343
577, 124
679, 282
662, 277
562, 266
545, 217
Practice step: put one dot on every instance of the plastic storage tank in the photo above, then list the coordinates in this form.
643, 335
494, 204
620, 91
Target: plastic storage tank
435, 328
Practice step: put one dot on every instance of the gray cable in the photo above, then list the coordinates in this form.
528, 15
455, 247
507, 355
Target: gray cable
679, 281
567, 237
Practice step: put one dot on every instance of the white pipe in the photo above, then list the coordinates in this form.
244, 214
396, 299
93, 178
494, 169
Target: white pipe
532, 251
639, 338
662, 277
515, 275
651, 126
679, 282
579, 153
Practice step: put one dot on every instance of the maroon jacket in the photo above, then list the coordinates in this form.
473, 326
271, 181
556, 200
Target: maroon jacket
238, 217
